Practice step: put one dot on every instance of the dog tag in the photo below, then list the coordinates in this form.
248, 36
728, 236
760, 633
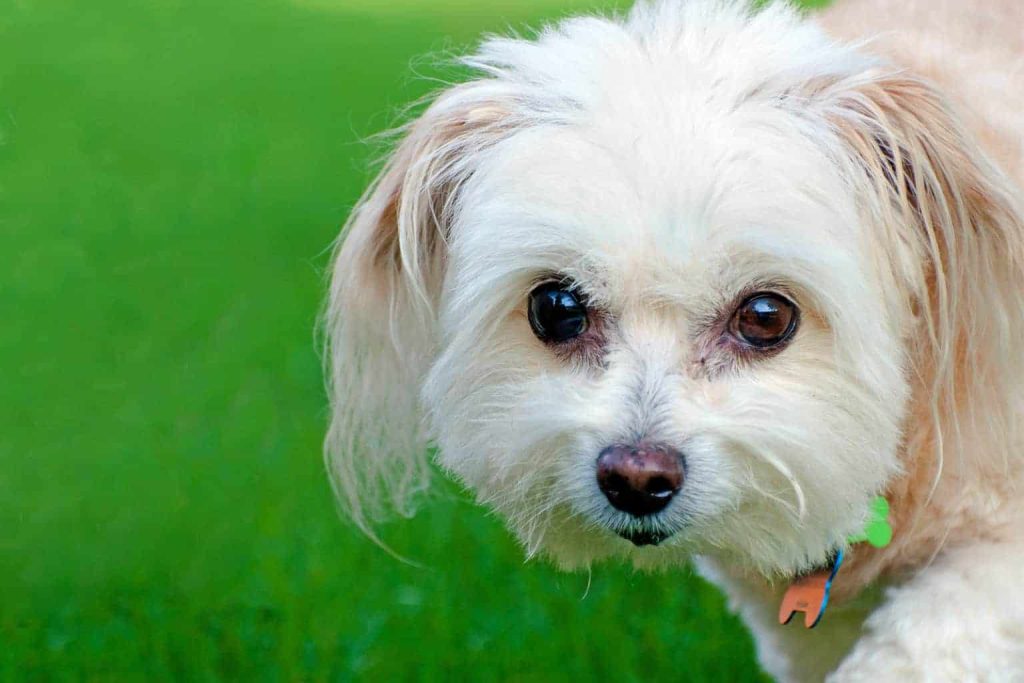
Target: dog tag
877, 532
809, 595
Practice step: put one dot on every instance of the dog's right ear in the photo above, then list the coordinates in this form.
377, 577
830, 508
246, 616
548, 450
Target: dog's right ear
385, 285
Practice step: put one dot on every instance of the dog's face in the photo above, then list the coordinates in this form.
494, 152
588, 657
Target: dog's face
641, 288
699, 294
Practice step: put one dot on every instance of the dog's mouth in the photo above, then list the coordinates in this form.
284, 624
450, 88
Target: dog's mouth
644, 537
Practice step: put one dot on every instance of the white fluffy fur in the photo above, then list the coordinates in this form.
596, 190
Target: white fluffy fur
668, 162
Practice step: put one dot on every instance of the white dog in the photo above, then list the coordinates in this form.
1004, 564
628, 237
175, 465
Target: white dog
702, 282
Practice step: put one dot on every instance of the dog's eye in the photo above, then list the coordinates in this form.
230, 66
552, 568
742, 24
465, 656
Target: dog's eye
556, 312
764, 320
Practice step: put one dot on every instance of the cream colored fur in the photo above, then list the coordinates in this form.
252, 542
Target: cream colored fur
667, 162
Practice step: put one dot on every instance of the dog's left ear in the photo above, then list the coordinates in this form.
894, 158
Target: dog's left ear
954, 234
385, 287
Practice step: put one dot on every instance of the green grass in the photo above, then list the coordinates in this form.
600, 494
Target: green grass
171, 173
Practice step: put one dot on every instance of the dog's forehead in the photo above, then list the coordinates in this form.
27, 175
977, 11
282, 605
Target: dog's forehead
667, 147
626, 195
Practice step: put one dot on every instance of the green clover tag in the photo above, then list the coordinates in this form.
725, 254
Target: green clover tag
877, 531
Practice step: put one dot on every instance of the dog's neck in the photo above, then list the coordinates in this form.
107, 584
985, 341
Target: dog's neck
929, 508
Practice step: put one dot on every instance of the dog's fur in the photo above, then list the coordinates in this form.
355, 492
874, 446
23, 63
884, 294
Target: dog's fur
668, 162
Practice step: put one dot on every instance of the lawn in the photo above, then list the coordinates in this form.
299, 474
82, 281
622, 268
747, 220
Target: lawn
172, 173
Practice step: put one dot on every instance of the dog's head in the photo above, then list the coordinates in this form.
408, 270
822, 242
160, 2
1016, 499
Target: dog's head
662, 286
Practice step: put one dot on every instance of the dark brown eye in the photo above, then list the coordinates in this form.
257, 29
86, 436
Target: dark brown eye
556, 312
765, 320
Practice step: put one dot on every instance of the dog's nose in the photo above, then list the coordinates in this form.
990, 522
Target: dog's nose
641, 479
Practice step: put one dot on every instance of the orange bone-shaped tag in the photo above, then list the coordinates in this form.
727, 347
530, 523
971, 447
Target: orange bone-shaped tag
809, 595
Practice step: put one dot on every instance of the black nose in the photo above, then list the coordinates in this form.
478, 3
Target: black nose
641, 479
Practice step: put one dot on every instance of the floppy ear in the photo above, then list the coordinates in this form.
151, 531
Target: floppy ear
937, 196
385, 284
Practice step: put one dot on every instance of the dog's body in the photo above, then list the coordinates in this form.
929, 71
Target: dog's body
746, 276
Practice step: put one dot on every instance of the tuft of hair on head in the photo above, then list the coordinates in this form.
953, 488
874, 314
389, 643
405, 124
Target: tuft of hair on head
934, 193
385, 283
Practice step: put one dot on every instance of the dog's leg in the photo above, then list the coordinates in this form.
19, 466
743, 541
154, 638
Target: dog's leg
960, 619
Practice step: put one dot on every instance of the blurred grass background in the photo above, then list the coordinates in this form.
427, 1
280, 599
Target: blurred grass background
171, 175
